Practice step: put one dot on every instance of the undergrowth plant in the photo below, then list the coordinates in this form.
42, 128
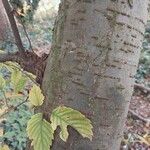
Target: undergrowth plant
40, 130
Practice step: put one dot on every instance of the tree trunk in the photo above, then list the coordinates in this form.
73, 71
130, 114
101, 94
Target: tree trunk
91, 67
4, 24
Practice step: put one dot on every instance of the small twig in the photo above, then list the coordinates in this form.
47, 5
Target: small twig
25, 31
14, 57
141, 87
21, 103
138, 116
27, 37
13, 108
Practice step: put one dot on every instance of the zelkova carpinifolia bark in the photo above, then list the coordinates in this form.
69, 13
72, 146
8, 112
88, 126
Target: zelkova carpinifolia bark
91, 66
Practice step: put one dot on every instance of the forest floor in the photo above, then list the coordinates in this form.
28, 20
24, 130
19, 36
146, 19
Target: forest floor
137, 129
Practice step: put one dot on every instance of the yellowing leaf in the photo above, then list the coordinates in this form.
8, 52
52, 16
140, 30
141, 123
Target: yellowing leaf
30, 75
13, 95
2, 83
41, 132
18, 80
35, 96
145, 139
65, 116
4, 147
11, 66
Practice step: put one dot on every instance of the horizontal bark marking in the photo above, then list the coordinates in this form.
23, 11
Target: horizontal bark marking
104, 125
132, 45
106, 76
134, 36
113, 66
102, 98
104, 47
125, 63
127, 15
130, 27
126, 51
78, 83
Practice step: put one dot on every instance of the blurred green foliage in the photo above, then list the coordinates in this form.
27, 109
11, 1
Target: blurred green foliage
143, 71
13, 92
25, 8
144, 66
14, 127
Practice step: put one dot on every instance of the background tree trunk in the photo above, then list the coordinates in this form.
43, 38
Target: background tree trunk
91, 67
4, 24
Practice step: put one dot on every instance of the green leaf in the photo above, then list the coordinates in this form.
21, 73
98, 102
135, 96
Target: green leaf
2, 82
35, 96
40, 131
65, 116
18, 80
11, 66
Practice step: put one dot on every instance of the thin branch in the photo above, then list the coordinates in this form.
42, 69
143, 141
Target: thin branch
24, 28
25, 31
15, 57
13, 24
27, 63
13, 108
141, 87
135, 115
31, 63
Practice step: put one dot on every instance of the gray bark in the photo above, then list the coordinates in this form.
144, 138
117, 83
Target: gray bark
4, 24
91, 66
